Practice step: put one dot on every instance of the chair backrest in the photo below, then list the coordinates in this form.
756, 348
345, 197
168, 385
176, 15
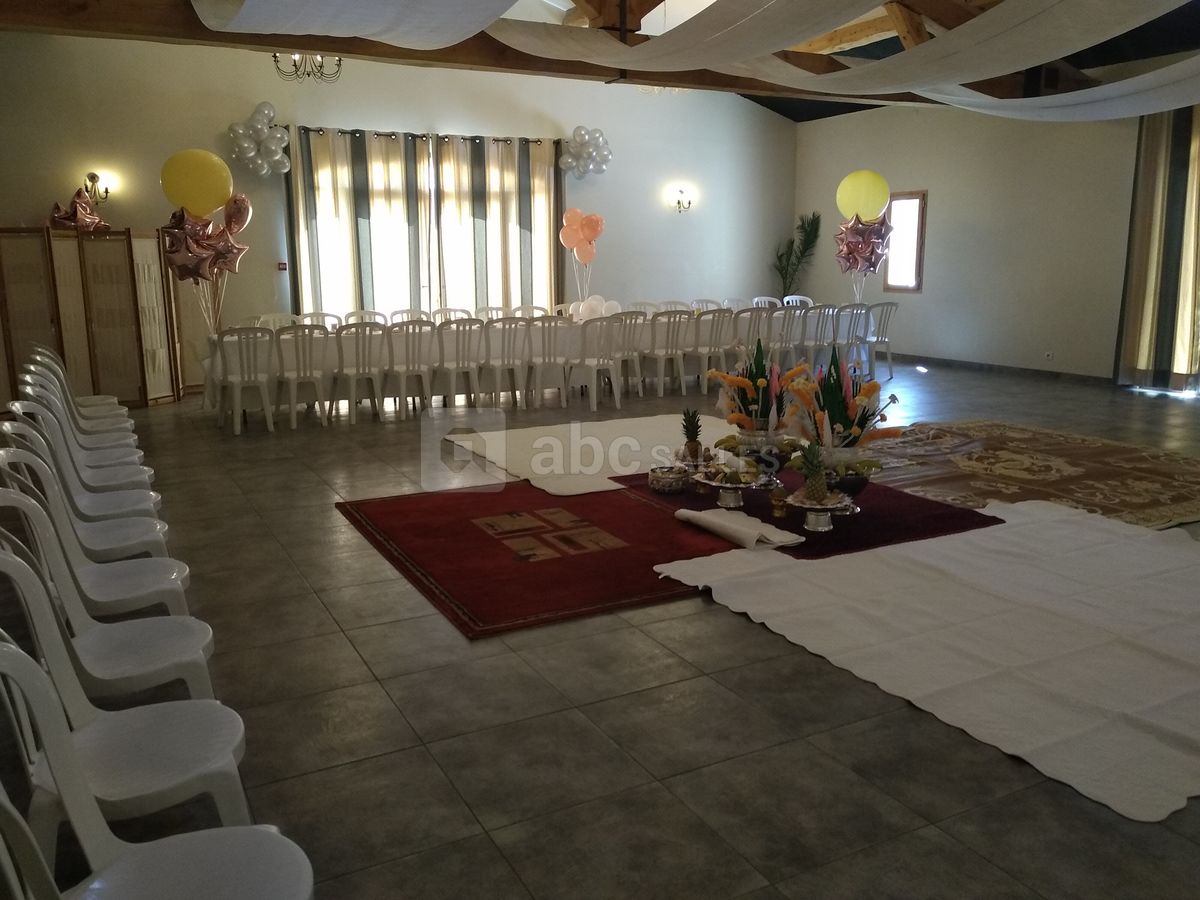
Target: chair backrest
487, 313
410, 346
548, 339
303, 350
561, 309
595, 339
714, 329
735, 303
449, 314
50, 428
26, 874
329, 320
751, 325
626, 333
852, 323
409, 315
648, 308
669, 331
820, 324
701, 305
880, 320
459, 342
529, 311
247, 354
36, 387
674, 306
365, 315
277, 320
506, 341
360, 348
765, 301
786, 325
797, 300
25, 435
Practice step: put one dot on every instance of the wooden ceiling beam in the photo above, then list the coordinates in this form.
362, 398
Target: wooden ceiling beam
910, 27
816, 63
608, 13
945, 13
856, 34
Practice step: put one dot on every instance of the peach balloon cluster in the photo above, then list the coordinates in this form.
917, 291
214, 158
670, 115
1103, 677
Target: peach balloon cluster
579, 232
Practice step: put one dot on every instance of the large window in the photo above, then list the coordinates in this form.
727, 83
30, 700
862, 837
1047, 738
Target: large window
906, 258
391, 221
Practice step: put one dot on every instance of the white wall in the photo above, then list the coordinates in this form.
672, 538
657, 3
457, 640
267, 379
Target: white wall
1025, 233
70, 105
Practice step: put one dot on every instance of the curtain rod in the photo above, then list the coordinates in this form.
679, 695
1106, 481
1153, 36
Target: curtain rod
395, 135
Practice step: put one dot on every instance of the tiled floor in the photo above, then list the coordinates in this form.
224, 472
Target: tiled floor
677, 751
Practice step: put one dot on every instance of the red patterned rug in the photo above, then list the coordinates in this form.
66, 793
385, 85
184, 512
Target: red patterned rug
494, 561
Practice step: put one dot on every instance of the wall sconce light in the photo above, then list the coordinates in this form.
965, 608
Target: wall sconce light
91, 187
683, 202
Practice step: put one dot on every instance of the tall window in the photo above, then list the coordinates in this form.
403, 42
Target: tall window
906, 258
392, 221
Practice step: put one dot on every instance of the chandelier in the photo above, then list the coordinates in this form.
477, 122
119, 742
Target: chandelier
299, 66
659, 89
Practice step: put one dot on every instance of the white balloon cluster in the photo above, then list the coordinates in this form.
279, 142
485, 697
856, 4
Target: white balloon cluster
586, 151
258, 143
593, 307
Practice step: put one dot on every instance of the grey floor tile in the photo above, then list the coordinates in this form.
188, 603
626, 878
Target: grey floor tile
274, 578
763, 893
606, 665
791, 808
258, 675
274, 620
374, 603
466, 869
562, 631
526, 768
926, 864
411, 645
473, 695
640, 843
325, 572
672, 609
685, 725
295, 501
719, 639
933, 768
365, 813
1061, 844
305, 734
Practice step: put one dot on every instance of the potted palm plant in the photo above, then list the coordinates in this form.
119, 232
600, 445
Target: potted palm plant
794, 255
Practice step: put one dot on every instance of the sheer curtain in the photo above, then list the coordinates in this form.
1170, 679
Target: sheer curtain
410, 221
1160, 321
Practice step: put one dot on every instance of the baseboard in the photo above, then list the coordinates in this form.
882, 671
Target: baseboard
992, 367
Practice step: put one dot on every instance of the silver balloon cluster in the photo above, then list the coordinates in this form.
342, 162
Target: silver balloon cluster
258, 142
586, 151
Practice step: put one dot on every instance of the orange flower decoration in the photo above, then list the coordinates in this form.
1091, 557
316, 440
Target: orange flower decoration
741, 421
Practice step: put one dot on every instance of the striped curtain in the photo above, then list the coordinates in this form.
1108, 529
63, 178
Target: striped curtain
1160, 320
410, 221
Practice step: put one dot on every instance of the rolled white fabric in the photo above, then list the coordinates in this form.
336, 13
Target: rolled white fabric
739, 528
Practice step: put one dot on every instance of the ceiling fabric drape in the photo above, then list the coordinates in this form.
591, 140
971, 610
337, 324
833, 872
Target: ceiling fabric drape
416, 24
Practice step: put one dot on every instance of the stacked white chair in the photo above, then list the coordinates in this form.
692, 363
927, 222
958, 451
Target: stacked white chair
548, 356
364, 315
304, 362
86, 547
595, 358
668, 343
459, 344
360, 364
99, 449
410, 359
797, 300
103, 405
529, 311
505, 354
765, 302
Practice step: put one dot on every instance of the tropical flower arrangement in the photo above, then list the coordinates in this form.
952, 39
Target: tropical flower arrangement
754, 396
837, 410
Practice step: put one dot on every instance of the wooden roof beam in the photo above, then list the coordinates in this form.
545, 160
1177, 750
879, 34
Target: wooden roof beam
856, 34
910, 27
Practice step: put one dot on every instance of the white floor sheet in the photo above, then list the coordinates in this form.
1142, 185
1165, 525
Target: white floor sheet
1065, 638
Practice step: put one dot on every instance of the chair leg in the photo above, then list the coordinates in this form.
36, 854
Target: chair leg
662, 369
292, 404
377, 397
235, 407
352, 395
230, 798
453, 397
220, 406
888, 347
616, 386
322, 408
564, 390
682, 376
473, 386
45, 815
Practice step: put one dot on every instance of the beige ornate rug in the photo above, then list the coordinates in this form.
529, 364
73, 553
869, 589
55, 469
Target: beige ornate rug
970, 463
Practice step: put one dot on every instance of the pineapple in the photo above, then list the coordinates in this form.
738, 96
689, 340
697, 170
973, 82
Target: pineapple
691, 435
815, 489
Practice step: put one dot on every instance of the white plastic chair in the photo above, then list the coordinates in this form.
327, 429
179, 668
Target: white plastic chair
786, 327
275, 321
329, 320
797, 300
702, 305
102, 405
852, 334
595, 357
762, 302
641, 306
247, 363
751, 326
820, 328
83, 446
488, 313
115, 659
735, 303
712, 334
529, 311
233, 863
628, 340
548, 356
94, 430
561, 309
356, 316
407, 315
410, 356
449, 314
668, 342
459, 353
304, 353
674, 306
90, 506
107, 541
360, 362
880, 322
117, 476
505, 352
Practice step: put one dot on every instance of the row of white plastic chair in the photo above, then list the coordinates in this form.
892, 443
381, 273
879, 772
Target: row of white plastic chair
437, 316
89, 545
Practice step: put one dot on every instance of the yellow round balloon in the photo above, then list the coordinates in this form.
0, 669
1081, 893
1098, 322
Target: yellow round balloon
863, 192
196, 180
